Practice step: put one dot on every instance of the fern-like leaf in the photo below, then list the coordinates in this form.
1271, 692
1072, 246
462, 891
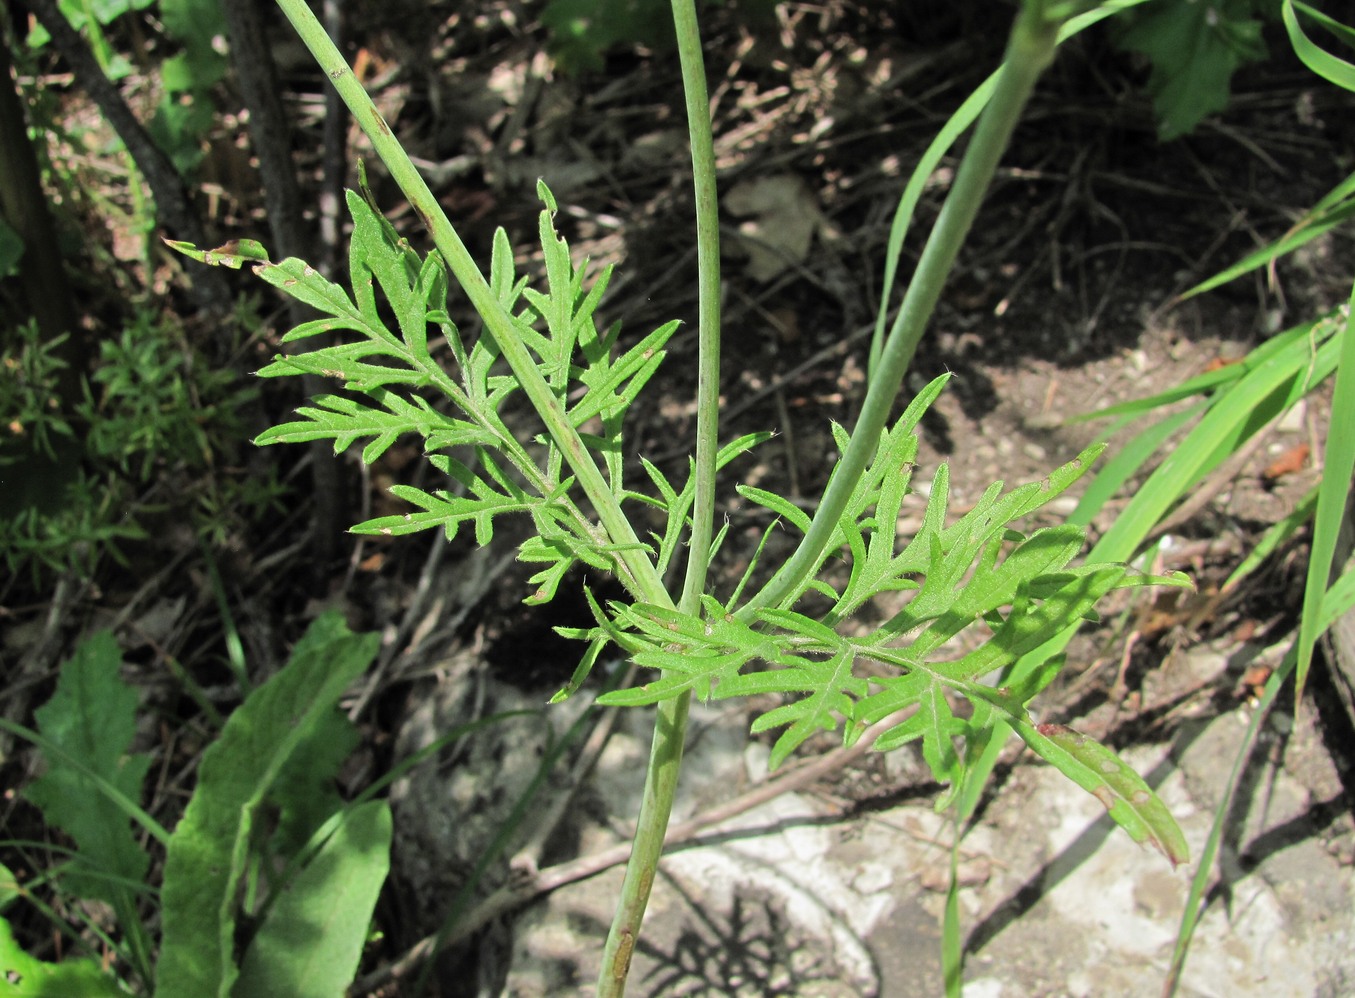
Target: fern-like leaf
346, 421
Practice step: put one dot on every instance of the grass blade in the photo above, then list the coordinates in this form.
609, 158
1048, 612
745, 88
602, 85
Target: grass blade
1190, 917
1338, 466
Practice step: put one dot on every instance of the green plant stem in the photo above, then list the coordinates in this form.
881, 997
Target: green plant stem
1029, 51
670, 729
708, 278
656, 803
637, 570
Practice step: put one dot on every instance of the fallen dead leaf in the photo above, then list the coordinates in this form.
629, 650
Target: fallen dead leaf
1290, 462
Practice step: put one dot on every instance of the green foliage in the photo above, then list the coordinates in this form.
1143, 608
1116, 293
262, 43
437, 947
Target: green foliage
92, 716
29, 407
1195, 47
210, 852
89, 791
405, 368
141, 409
92, 18
24, 976
590, 377
310, 943
264, 810
186, 111
963, 575
303, 796
1234, 404
150, 405
976, 572
583, 32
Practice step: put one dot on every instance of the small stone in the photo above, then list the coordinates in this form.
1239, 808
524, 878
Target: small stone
1295, 419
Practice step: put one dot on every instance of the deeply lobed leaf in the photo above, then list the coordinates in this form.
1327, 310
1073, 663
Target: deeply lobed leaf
92, 716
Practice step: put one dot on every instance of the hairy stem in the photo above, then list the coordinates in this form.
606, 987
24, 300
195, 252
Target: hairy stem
1029, 51
670, 731
637, 570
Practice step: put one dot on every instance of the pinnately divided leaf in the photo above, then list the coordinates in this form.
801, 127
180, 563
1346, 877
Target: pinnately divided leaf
398, 307
1130, 802
975, 573
346, 421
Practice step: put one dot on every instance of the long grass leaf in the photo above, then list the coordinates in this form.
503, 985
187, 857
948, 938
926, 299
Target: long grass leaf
1321, 62
1332, 494
1204, 871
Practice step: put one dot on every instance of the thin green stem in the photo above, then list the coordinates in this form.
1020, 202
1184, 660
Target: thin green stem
656, 803
708, 277
670, 731
638, 570
1029, 51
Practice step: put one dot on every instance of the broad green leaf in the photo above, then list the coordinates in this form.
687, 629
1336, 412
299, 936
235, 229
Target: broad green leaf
209, 849
1131, 803
305, 794
1195, 48
24, 976
311, 940
92, 716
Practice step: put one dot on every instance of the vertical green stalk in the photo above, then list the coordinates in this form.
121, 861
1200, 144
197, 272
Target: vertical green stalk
708, 278
1030, 49
670, 730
